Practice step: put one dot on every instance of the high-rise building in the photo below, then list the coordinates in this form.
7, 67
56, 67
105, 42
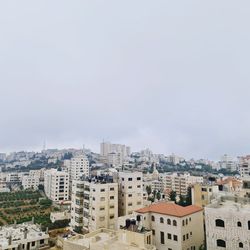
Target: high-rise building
56, 185
94, 204
114, 154
130, 192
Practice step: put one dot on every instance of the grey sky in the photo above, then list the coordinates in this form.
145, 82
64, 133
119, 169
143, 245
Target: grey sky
169, 75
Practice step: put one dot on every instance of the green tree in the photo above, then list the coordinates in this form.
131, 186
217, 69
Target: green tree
172, 196
158, 195
149, 190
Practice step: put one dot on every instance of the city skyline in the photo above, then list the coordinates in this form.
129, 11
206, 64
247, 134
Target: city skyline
169, 77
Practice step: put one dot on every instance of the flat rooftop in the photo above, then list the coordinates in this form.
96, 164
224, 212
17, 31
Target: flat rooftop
17, 233
99, 240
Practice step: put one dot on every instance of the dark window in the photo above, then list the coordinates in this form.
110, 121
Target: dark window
138, 178
219, 223
130, 179
162, 238
169, 222
183, 223
221, 243
175, 238
152, 218
161, 220
249, 225
153, 231
184, 237
239, 224
174, 223
169, 236
240, 245
41, 242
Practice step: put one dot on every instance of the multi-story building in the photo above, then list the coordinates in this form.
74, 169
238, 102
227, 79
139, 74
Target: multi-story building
114, 154
179, 182
78, 167
94, 204
227, 162
130, 192
173, 226
228, 224
30, 182
23, 236
56, 185
202, 194
244, 166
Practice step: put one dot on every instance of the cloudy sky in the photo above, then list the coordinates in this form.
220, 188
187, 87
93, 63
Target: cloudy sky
170, 75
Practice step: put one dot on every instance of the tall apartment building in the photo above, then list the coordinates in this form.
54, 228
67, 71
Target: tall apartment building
56, 185
227, 162
30, 182
173, 227
228, 224
130, 192
244, 166
94, 204
114, 154
179, 182
77, 167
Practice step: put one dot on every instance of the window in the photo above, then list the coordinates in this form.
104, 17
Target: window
130, 187
102, 190
240, 245
111, 197
111, 216
130, 179
219, 223
175, 238
138, 178
162, 238
102, 199
153, 231
174, 223
41, 242
249, 225
152, 218
187, 236
191, 233
183, 223
203, 189
169, 222
221, 243
189, 218
169, 236
161, 220
239, 224
33, 243
186, 221
112, 189
138, 186
130, 195
184, 237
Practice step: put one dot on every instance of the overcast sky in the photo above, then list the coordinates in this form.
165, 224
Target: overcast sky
173, 76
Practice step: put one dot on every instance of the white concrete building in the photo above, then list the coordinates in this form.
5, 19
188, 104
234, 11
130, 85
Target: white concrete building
56, 185
77, 167
94, 204
173, 227
23, 236
179, 182
130, 192
30, 182
114, 154
228, 224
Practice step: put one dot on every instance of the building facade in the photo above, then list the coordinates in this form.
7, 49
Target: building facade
130, 192
56, 185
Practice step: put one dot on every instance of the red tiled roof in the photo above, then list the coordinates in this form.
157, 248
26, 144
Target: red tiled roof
171, 209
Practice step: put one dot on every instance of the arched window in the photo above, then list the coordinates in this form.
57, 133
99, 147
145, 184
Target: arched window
169, 222
174, 223
186, 221
161, 220
219, 223
240, 245
152, 218
183, 223
221, 243
239, 224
